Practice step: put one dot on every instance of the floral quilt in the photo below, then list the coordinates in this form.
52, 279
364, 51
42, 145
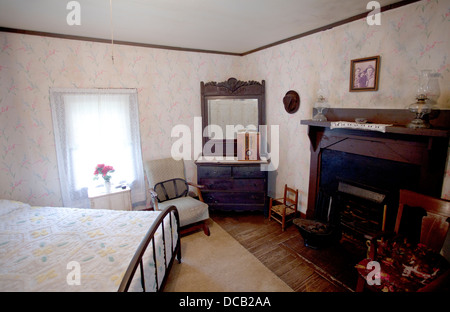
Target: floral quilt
71, 249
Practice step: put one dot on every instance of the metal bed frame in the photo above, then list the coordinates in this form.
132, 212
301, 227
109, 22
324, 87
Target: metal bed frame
137, 258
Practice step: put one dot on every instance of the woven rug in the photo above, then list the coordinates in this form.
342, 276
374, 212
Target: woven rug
219, 263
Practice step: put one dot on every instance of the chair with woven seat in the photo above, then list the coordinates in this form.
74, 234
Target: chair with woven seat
287, 209
168, 186
410, 262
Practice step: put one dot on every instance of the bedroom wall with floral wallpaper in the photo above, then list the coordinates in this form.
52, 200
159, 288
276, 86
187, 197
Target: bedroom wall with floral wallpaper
409, 39
168, 84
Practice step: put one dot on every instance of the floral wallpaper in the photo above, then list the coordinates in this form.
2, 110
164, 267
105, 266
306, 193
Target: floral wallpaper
168, 84
409, 39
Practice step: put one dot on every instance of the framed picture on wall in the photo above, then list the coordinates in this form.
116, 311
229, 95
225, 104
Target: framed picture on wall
364, 74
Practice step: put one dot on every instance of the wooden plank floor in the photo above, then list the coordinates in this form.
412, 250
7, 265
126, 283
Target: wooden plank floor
265, 240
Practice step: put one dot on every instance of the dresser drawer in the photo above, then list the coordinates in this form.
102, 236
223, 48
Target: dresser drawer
233, 187
237, 207
214, 171
246, 185
234, 197
248, 172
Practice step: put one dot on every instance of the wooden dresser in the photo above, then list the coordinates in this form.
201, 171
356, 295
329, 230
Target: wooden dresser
233, 185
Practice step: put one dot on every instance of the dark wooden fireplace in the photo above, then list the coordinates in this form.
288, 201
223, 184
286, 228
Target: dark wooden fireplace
375, 162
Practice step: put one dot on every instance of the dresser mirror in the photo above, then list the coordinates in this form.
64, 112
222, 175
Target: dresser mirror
228, 107
238, 113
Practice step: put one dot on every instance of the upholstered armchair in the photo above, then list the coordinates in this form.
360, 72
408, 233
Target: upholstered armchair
168, 186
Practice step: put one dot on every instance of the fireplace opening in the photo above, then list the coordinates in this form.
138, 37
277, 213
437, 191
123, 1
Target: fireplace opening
362, 211
364, 191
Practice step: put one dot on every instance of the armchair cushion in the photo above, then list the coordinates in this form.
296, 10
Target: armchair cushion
168, 186
190, 209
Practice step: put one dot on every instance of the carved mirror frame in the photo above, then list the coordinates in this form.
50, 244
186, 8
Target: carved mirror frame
230, 89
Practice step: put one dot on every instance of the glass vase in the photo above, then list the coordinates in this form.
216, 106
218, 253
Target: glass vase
108, 186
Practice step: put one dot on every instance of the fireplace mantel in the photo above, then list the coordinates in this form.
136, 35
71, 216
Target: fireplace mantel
426, 148
399, 129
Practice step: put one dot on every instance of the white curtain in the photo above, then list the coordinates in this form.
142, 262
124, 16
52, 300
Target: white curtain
96, 126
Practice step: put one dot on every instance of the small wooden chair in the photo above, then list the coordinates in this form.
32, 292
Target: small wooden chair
286, 211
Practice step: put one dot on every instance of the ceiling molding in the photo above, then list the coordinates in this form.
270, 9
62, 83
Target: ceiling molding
116, 42
146, 45
330, 26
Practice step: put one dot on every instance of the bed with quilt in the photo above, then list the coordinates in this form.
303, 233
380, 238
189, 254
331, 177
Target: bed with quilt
73, 249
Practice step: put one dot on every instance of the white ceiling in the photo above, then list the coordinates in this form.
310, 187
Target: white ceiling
230, 26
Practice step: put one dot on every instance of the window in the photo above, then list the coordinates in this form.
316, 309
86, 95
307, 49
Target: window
96, 126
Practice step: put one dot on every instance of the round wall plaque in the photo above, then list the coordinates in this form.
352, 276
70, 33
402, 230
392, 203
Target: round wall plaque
291, 101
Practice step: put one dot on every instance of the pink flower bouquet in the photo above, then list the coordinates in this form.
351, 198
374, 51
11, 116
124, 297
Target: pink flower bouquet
103, 170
